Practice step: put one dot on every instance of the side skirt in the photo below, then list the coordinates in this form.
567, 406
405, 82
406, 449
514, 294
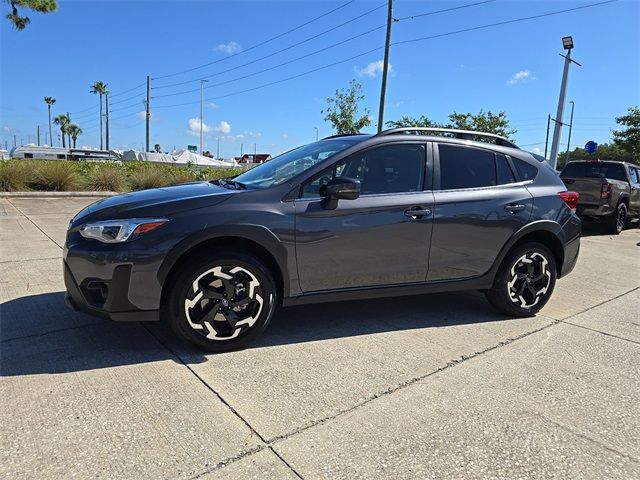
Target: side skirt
478, 283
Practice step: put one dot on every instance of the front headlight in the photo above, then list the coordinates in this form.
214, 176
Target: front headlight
118, 231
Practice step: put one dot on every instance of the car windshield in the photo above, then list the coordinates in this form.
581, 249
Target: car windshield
289, 164
614, 171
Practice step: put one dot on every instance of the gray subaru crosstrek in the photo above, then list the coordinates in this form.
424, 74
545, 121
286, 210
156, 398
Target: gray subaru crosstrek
404, 212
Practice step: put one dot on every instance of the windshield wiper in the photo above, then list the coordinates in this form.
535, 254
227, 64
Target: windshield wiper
229, 183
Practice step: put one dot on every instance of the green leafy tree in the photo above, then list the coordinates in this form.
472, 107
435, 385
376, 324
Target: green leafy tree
489, 122
50, 101
63, 121
628, 137
606, 151
99, 88
20, 22
74, 131
421, 121
157, 148
342, 110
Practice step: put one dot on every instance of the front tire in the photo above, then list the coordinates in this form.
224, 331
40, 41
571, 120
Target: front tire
615, 222
525, 281
221, 301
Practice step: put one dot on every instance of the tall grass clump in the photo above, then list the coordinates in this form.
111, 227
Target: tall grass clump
55, 175
14, 176
107, 177
149, 176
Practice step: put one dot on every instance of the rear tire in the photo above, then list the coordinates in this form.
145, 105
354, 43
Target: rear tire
221, 301
615, 222
525, 281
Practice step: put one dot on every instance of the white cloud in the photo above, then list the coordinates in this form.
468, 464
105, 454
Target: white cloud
522, 76
194, 127
223, 127
373, 69
214, 105
229, 48
141, 115
537, 150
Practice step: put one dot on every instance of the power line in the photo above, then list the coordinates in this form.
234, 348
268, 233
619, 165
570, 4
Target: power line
127, 91
264, 42
273, 67
300, 57
506, 22
297, 44
521, 19
411, 17
125, 107
137, 95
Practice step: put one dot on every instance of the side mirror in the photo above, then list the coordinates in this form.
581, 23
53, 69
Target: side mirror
340, 188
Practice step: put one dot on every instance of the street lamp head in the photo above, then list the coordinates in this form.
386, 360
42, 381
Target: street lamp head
567, 43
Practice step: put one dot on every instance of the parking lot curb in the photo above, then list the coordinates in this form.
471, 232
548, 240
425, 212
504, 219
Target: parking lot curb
57, 194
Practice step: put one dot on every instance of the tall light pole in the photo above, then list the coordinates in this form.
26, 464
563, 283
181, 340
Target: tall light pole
202, 82
316, 133
385, 66
147, 115
567, 43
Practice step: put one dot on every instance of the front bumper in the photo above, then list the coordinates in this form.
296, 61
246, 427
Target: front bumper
106, 298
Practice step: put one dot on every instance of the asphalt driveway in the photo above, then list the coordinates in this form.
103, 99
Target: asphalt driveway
435, 386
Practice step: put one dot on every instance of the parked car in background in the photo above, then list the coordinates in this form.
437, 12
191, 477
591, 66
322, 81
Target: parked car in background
407, 211
609, 191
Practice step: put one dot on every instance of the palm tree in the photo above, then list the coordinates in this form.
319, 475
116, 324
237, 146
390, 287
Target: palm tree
101, 89
50, 101
64, 121
74, 130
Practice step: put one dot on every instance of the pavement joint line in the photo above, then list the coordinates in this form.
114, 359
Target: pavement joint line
602, 333
594, 306
34, 223
293, 470
42, 334
586, 437
450, 364
229, 460
29, 260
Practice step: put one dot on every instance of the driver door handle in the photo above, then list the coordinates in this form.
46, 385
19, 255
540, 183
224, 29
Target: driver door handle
417, 212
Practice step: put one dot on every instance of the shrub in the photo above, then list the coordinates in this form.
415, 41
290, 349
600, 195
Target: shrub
55, 175
149, 176
14, 176
107, 177
183, 175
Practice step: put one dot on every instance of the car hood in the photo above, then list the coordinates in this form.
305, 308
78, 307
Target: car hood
156, 202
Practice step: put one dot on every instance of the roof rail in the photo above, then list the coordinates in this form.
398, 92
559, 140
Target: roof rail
343, 135
462, 134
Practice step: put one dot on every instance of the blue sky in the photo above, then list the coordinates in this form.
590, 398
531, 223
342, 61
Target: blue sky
514, 67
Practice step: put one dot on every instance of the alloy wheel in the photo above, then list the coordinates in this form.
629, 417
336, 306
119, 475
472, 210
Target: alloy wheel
224, 302
530, 279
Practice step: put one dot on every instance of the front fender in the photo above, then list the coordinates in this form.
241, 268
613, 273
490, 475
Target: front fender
255, 233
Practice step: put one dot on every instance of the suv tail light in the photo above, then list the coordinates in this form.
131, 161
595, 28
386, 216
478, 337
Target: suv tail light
570, 198
605, 190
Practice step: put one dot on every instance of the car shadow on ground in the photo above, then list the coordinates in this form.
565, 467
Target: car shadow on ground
51, 339
598, 229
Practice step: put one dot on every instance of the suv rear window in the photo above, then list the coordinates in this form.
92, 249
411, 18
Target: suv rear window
464, 167
614, 171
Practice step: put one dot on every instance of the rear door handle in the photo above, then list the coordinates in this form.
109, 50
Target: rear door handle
514, 207
418, 212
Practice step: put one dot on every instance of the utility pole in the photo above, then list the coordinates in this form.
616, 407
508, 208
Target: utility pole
218, 150
316, 133
106, 103
567, 42
14, 141
241, 145
385, 67
148, 112
38, 135
46, 140
202, 82
573, 104
546, 142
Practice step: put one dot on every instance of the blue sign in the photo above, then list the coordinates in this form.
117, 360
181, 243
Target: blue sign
591, 147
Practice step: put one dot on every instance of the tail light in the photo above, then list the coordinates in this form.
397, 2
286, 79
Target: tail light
570, 198
605, 190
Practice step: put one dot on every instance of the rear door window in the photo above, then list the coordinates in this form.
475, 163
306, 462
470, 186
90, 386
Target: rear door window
466, 167
526, 171
503, 171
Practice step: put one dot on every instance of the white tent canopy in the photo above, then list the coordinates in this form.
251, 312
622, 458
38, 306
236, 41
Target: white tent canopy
178, 157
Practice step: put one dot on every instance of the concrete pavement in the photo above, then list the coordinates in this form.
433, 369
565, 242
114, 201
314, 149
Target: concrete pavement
420, 387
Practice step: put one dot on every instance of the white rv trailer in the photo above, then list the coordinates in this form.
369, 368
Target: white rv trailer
56, 153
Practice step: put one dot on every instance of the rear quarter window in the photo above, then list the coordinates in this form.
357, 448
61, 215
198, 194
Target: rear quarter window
525, 170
